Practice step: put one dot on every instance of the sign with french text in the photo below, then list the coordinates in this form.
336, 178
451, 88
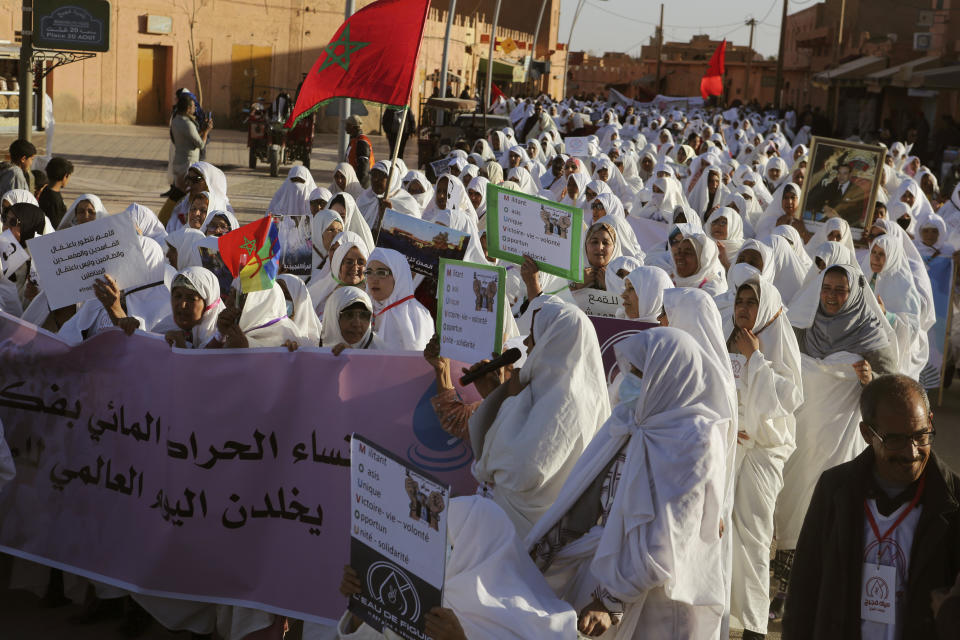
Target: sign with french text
68, 261
519, 224
470, 300
220, 490
80, 25
398, 539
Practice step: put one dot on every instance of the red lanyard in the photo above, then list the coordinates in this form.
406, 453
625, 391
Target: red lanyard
398, 302
896, 523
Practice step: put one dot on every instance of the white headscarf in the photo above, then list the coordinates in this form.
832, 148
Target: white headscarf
321, 193
304, 316
538, 434
615, 284
401, 321
479, 184
293, 198
774, 210
353, 220
353, 186
831, 225
423, 199
70, 217
734, 239
339, 300
318, 225
147, 222
400, 200
264, 319
663, 526
791, 235
626, 238
941, 246
206, 284
323, 286
650, 284
709, 275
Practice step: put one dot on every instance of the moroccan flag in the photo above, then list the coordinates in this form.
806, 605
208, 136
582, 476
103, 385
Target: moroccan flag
495, 93
712, 83
252, 253
373, 56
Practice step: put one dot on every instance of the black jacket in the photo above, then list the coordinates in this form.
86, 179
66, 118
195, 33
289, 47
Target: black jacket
823, 600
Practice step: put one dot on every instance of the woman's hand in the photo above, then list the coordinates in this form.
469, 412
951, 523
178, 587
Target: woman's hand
486, 384
128, 324
108, 293
530, 273
291, 345
746, 342
442, 624
176, 338
234, 338
31, 291
883, 307
350, 582
864, 371
338, 349
594, 619
742, 437
431, 353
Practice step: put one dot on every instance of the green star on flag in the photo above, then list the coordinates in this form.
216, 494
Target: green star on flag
342, 59
248, 245
389, 33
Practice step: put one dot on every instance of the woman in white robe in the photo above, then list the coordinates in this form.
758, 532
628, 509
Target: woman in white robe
346, 206
792, 236
293, 196
345, 180
211, 180
844, 342
477, 193
340, 274
632, 540
369, 201
725, 226
416, 184
399, 319
146, 222
70, 217
607, 207
933, 238
766, 359
300, 309
888, 274
349, 325
783, 209
529, 432
324, 227
835, 229
696, 263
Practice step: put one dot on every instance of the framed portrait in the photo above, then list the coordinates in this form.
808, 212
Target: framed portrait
841, 181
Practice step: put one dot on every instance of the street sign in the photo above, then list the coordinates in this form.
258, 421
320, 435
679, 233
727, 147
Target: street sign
81, 25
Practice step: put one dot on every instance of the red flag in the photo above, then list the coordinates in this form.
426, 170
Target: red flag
252, 253
712, 83
495, 93
373, 56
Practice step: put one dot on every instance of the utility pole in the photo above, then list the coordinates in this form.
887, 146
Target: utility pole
446, 48
488, 97
746, 83
783, 43
656, 87
342, 139
536, 35
25, 72
566, 63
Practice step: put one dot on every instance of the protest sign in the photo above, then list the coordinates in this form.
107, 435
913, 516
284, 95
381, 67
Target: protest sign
519, 224
12, 255
651, 234
398, 541
68, 261
211, 261
470, 310
422, 243
242, 474
941, 271
577, 146
296, 250
610, 331
597, 302
440, 167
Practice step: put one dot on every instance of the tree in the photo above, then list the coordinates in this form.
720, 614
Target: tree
192, 8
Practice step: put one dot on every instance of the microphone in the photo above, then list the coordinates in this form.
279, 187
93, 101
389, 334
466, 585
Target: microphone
507, 357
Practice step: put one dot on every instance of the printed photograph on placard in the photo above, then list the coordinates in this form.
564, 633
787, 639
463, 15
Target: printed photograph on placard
295, 244
211, 261
470, 307
423, 243
519, 224
841, 182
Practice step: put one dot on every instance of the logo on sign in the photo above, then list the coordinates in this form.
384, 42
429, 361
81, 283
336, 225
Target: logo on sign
393, 589
878, 589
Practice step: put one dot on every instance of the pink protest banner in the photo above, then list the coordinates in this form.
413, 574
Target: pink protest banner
218, 476
610, 331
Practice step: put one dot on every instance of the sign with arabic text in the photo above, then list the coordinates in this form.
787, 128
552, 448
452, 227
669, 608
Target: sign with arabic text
246, 471
69, 261
81, 25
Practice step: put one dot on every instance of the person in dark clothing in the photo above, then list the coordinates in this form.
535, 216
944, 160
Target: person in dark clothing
882, 531
40, 182
59, 171
359, 151
17, 174
391, 125
946, 609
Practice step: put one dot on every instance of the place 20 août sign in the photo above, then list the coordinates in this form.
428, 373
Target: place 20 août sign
81, 25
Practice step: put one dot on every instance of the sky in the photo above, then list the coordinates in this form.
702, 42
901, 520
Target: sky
599, 30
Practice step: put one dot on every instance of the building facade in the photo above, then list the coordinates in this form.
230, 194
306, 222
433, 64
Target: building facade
682, 65
247, 49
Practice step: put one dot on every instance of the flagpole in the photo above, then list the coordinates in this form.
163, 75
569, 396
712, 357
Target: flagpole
393, 166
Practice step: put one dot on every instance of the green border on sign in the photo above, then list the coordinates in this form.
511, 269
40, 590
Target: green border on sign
501, 294
575, 273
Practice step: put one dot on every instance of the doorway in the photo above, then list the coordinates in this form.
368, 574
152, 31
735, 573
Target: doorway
150, 85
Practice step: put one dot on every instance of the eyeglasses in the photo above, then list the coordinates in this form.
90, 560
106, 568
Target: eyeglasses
378, 273
350, 262
356, 314
898, 441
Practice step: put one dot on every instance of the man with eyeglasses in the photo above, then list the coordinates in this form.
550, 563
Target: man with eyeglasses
882, 532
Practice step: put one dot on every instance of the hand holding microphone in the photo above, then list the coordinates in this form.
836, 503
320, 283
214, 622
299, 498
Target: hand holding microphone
476, 372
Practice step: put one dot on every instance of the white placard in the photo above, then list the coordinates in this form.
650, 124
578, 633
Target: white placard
69, 261
440, 167
470, 310
577, 147
12, 255
597, 302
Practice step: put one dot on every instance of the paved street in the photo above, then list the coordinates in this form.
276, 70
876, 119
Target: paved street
124, 164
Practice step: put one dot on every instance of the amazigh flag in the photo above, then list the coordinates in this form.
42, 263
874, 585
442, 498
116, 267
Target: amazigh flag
372, 57
712, 83
252, 254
